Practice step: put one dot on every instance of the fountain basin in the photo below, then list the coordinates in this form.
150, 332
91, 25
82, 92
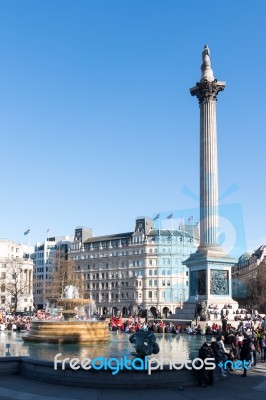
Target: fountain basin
68, 332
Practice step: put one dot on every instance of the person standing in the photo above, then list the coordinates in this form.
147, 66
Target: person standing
246, 355
205, 376
263, 348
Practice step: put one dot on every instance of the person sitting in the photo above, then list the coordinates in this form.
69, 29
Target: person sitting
189, 330
199, 330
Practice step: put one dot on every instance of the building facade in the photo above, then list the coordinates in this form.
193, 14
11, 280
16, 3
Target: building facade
140, 269
245, 273
16, 276
44, 260
44, 257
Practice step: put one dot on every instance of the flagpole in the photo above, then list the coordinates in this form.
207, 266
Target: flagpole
29, 239
172, 223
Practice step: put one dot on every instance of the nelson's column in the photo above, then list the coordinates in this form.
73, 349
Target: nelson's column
210, 267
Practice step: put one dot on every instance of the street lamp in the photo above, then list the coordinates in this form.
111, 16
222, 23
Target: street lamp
196, 307
180, 301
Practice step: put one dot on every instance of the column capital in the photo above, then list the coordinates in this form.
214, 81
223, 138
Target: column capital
206, 90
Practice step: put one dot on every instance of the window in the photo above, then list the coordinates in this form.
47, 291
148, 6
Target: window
163, 282
150, 272
168, 282
155, 282
150, 282
150, 295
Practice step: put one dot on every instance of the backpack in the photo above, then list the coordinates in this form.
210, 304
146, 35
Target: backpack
252, 346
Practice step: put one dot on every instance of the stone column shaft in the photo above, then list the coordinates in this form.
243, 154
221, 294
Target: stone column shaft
208, 174
206, 91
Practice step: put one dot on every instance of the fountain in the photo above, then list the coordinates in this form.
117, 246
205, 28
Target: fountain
71, 329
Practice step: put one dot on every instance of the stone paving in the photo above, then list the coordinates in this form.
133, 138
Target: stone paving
233, 387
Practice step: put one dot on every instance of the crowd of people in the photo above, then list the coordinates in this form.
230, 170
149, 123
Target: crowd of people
245, 344
14, 323
132, 325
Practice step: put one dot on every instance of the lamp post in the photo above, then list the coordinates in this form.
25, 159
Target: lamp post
196, 307
180, 301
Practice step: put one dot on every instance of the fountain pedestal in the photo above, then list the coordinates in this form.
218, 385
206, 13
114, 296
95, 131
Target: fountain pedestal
68, 332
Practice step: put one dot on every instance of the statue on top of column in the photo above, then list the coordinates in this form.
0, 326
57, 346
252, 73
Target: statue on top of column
206, 71
206, 56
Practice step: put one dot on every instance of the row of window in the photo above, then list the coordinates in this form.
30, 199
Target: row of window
136, 263
116, 296
130, 253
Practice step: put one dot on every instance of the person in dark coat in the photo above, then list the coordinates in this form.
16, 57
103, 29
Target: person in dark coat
245, 353
205, 376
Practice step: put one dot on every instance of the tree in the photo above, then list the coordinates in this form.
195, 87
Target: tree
63, 274
16, 284
261, 288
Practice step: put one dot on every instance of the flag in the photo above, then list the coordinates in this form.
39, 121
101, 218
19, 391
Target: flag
190, 219
48, 230
27, 232
170, 216
157, 216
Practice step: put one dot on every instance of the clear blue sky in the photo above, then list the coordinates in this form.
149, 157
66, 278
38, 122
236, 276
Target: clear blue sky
96, 119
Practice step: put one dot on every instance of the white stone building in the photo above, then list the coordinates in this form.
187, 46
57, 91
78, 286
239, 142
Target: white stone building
43, 259
16, 276
141, 269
